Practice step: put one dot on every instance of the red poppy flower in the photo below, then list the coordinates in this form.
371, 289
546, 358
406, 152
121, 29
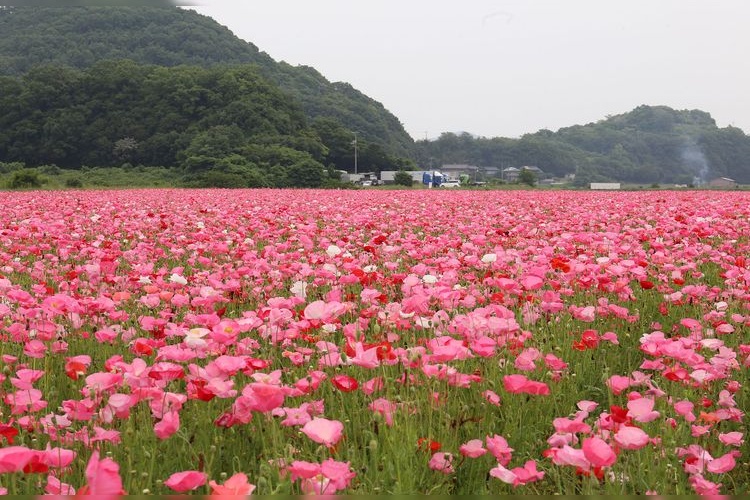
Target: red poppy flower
560, 264
225, 420
579, 346
619, 414
196, 390
345, 383
8, 432
427, 444
663, 310
75, 369
590, 339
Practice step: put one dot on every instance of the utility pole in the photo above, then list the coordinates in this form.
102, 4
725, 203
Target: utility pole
355, 152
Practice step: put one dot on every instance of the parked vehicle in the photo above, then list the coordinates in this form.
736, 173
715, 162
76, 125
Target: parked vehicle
450, 184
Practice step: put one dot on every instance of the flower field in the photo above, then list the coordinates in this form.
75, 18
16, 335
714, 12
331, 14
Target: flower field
271, 341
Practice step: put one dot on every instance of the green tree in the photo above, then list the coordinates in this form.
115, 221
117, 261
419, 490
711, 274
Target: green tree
526, 176
125, 148
306, 173
403, 178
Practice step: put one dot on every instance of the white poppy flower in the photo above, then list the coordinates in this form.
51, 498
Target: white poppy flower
299, 289
333, 251
176, 278
489, 258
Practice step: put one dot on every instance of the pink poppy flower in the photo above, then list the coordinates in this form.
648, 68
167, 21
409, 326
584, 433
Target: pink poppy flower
324, 431
168, 425
732, 438
503, 474
56, 487
373, 385
617, 384
58, 457
326, 478
532, 282
299, 469
340, 474
317, 310
702, 486
294, 416
498, 446
35, 349
526, 360
685, 408
23, 401
642, 410
15, 458
25, 378
598, 452
442, 462
473, 449
519, 384
491, 397
385, 408
566, 425
724, 463
518, 475
568, 455
186, 481
263, 397
235, 486
631, 438
102, 478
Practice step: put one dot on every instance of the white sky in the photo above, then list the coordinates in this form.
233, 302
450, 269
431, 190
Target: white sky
508, 67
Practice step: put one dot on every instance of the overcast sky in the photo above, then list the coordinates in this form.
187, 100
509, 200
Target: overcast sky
508, 67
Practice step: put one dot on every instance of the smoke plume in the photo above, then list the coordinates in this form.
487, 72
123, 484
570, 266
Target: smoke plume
692, 156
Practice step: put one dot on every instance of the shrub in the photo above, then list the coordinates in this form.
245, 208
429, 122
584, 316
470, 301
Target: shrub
8, 167
26, 179
218, 179
49, 169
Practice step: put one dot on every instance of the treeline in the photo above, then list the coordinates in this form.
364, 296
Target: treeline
221, 125
79, 37
650, 144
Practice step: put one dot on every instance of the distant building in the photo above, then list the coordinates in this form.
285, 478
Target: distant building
511, 174
457, 170
490, 171
538, 171
603, 186
723, 182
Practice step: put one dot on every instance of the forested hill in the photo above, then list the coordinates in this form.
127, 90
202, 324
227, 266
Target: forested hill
81, 36
649, 144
